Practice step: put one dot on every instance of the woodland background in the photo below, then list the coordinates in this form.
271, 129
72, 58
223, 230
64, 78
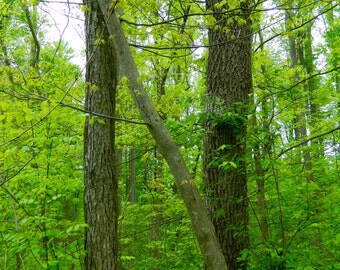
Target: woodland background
292, 136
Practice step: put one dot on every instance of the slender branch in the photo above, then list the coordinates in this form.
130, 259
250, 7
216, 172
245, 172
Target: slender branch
312, 76
171, 47
63, 2
296, 27
103, 115
15, 199
44, 116
150, 47
229, 11
297, 83
4, 181
307, 140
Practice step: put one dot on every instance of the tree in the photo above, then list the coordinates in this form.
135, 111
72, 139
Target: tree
229, 85
200, 221
101, 181
36, 185
283, 95
292, 197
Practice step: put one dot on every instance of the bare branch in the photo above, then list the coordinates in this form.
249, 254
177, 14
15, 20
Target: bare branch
103, 115
307, 140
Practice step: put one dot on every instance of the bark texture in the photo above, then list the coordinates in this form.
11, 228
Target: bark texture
101, 187
200, 220
228, 84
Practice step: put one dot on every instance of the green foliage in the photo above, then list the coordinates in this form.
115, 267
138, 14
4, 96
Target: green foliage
41, 163
176, 248
40, 156
230, 120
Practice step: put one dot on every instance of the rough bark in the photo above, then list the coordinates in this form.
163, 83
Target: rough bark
101, 187
228, 84
201, 222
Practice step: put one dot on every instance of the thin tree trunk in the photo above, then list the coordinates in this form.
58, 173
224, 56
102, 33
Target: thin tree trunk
201, 222
300, 122
261, 199
31, 18
131, 187
4, 51
101, 184
261, 149
156, 217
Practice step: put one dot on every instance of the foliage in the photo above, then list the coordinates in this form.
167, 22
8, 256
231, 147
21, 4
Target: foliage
41, 168
41, 127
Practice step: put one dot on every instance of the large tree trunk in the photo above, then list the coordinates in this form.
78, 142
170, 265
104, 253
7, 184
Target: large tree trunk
101, 187
200, 220
229, 84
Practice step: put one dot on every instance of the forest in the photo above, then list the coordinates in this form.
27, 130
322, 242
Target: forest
195, 134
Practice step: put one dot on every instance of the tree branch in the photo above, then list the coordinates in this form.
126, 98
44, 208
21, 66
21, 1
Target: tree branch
7, 179
307, 140
103, 115
296, 27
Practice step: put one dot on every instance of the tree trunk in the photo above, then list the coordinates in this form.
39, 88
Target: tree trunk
101, 184
229, 84
201, 223
32, 22
156, 217
334, 57
297, 54
131, 186
261, 149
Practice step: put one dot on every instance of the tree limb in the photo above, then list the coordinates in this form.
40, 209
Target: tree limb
307, 140
102, 115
